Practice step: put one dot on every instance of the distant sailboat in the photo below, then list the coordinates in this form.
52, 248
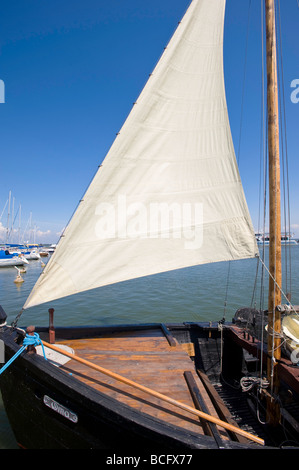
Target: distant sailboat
23, 251
168, 195
10, 259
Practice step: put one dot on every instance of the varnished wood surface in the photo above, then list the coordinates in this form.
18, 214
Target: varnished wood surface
147, 358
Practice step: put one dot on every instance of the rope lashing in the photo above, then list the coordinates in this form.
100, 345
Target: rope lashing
29, 340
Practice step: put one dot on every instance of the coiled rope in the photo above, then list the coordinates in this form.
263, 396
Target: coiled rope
29, 340
247, 383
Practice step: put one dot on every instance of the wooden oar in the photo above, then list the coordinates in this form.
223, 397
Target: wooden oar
122, 379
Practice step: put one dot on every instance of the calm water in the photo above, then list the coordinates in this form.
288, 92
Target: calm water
193, 294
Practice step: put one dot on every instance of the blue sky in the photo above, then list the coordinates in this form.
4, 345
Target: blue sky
72, 70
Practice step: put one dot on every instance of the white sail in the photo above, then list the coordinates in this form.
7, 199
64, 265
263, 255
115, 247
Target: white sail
168, 194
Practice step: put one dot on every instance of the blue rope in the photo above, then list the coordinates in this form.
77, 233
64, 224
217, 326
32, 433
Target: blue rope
29, 340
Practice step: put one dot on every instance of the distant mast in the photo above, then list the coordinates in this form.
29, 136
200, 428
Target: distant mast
274, 299
8, 216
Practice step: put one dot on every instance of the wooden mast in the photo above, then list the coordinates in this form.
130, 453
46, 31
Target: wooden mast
274, 299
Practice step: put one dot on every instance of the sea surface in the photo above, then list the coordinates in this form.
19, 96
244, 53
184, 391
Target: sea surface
202, 293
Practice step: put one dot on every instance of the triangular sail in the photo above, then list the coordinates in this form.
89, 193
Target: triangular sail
168, 194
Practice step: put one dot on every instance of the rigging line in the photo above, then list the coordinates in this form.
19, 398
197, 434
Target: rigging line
264, 125
280, 289
220, 324
244, 79
285, 160
3, 209
15, 321
13, 222
263, 166
262, 157
253, 298
263, 172
226, 292
280, 85
262, 144
265, 196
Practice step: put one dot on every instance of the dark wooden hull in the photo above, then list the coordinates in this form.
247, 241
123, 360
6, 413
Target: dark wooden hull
84, 418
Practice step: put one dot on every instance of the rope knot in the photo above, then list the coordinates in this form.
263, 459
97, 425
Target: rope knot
31, 339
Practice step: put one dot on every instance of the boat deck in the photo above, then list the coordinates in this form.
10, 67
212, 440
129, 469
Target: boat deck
150, 359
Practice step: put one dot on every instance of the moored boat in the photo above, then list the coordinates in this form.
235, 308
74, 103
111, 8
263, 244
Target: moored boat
286, 239
10, 259
31, 255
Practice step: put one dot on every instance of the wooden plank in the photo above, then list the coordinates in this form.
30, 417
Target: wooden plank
199, 403
220, 407
150, 342
171, 340
189, 348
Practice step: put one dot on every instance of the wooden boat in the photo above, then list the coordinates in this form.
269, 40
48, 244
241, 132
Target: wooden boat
86, 409
174, 387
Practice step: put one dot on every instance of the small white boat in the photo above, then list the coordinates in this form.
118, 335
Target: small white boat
11, 259
47, 250
25, 251
286, 239
33, 254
